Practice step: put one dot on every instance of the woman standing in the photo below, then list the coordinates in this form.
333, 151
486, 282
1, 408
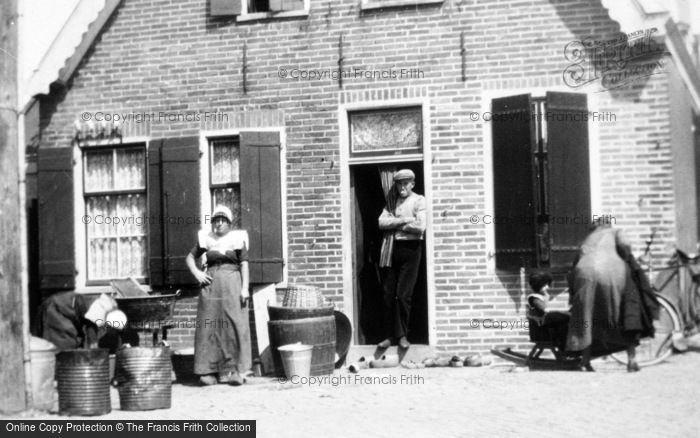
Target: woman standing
607, 314
222, 348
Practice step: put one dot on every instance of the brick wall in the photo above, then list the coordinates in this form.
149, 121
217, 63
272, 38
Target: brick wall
169, 56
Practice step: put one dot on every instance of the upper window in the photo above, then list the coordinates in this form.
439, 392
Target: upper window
114, 189
258, 9
381, 4
542, 200
274, 5
225, 183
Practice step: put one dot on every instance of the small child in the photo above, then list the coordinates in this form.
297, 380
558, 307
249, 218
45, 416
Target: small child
545, 325
537, 300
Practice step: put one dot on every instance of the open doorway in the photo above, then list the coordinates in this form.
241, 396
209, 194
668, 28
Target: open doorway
367, 204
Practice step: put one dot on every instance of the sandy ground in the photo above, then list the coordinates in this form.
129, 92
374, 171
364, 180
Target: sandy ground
453, 402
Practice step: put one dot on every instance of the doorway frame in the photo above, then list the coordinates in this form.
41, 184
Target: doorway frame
348, 249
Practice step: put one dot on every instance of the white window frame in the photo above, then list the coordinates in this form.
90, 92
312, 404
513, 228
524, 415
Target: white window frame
80, 232
205, 208
253, 16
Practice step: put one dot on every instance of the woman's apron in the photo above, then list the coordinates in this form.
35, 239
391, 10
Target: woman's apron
222, 332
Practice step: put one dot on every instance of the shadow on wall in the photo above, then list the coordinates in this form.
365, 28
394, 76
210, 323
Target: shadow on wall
512, 284
601, 56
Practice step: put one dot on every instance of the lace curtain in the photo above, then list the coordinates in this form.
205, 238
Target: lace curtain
116, 249
225, 178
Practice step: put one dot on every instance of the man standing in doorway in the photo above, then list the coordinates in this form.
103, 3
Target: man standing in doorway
407, 222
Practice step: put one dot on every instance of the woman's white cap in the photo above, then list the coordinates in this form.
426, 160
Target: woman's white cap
116, 319
222, 211
97, 311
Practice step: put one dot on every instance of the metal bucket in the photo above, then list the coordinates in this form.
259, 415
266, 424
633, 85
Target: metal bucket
319, 332
43, 356
144, 378
183, 365
83, 382
296, 359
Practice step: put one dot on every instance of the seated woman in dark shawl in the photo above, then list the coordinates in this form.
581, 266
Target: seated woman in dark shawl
609, 312
72, 320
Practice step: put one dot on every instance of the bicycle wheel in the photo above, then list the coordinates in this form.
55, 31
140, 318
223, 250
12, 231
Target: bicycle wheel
658, 348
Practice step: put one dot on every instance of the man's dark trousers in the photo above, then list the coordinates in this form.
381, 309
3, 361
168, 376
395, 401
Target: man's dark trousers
399, 281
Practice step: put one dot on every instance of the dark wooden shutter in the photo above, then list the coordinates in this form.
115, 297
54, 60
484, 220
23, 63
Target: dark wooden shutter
569, 185
56, 218
261, 204
174, 207
222, 8
513, 135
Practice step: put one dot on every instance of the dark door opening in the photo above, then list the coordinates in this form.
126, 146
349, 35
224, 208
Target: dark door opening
367, 204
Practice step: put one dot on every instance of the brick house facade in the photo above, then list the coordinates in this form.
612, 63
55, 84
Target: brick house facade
231, 78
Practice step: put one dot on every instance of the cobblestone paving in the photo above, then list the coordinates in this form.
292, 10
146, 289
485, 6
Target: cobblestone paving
455, 402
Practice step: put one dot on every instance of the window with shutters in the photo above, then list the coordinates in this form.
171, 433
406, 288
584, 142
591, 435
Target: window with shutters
224, 176
114, 190
542, 201
243, 171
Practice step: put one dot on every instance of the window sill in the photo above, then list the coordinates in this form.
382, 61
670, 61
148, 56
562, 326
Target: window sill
103, 289
554, 270
373, 5
257, 16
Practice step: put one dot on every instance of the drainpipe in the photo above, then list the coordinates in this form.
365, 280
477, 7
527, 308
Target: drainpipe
24, 282
22, 187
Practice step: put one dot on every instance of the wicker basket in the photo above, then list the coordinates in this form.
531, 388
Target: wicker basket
301, 295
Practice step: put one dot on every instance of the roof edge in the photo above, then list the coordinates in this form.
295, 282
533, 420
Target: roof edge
89, 37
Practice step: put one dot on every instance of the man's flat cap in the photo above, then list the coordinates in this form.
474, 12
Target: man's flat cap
404, 174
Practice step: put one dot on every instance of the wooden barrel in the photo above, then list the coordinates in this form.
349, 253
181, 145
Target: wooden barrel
144, 378
83, 382
279, 313
319, 332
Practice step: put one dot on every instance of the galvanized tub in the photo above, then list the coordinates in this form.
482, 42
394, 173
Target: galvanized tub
144, 378
83, 382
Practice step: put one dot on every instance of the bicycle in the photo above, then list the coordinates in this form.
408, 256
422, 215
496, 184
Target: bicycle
674, 322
